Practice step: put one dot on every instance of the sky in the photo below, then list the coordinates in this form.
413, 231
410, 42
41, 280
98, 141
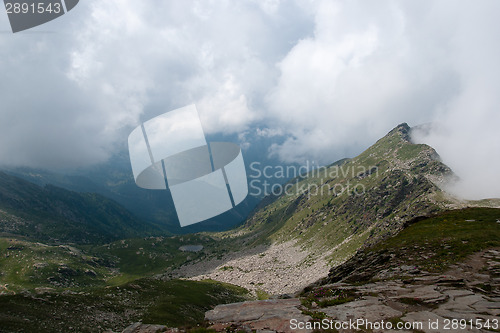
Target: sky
320, 80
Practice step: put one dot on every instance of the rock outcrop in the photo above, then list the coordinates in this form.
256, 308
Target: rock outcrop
267, 315
466, 298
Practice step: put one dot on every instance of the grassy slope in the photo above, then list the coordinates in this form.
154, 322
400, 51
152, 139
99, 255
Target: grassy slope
52, 214
175, 303
393, 182
147, 256
432, 244
440, 241
48, 288
26, 265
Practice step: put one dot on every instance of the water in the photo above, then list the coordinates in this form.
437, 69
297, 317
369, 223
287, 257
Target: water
191, 248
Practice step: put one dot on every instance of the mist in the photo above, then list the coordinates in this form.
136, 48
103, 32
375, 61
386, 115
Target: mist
321, 80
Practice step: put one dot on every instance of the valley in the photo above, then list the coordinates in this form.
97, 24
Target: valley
91, 264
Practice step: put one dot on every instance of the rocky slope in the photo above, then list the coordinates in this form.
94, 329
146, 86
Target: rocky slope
290, 241
277, 269
439, 275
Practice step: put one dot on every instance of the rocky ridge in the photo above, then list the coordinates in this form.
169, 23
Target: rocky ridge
445, 268
406, 295
289, 242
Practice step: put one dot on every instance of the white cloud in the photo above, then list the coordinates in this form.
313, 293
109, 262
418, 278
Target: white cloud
328, 77
359, 75
467, 137
269, 132
72, 95
370, 66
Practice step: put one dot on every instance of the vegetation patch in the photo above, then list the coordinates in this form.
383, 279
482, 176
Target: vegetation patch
174, 303
445, 239
323, 297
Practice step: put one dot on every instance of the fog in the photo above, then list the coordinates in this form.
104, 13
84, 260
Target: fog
324, 79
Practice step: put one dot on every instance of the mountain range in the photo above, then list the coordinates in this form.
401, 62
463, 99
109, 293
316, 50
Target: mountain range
53, 214
113, 179
79, 248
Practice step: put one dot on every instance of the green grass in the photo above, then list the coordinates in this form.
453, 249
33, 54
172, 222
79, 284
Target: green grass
182, 303
436, 243
174, 303
151, 255
324, 297
261, 294
226, 268
27, 265
409, 151
93, 288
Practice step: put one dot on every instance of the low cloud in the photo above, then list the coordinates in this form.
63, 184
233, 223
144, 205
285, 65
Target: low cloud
327, 78
72, 89
371, 66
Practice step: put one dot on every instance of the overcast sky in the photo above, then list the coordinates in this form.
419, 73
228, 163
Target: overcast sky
326, 78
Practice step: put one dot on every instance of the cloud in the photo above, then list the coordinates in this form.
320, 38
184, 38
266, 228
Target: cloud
321, 80
370, 66
72, 89
361, 73
269, 132
466, 134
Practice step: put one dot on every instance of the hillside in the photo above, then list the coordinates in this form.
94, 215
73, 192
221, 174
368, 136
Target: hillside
328, 214
54, 214
444, 269
174, 303
119, 272
369, 196
114, 180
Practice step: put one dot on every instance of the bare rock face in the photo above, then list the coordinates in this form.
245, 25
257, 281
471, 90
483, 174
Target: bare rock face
268, 315
467, 294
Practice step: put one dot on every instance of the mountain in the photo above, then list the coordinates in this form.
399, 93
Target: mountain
366, 197
54, 214
113, 179
325, 216
175, 302
442, 270
379, 216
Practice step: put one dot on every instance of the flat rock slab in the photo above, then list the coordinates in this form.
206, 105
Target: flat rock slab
492, 308
426, 294
453, 293
370, 309
274, 315
389, 288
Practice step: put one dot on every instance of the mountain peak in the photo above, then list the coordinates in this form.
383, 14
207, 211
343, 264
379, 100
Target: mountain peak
403, 130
